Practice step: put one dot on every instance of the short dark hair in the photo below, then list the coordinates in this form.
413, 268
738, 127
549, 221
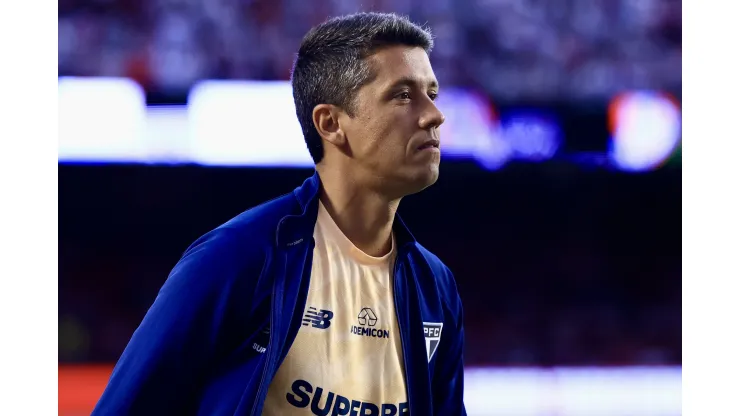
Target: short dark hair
330, 67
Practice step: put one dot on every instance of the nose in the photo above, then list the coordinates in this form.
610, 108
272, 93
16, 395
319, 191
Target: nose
431, 117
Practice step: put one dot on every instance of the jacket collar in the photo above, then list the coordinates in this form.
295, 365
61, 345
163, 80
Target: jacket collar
297, 228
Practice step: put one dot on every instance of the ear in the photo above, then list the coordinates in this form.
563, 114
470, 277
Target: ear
326, 121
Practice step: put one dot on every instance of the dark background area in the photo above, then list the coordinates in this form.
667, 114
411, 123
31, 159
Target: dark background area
556, 265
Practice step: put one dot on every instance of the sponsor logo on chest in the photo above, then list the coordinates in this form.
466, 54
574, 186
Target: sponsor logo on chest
367, 321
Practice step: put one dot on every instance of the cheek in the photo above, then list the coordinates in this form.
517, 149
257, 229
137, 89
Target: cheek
370, 138
389, 138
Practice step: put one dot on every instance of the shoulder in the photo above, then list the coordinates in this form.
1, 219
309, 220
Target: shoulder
443, 276
259, 224
241, 243
253, 228
439, 268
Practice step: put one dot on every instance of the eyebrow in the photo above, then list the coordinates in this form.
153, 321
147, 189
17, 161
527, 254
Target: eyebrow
410, 82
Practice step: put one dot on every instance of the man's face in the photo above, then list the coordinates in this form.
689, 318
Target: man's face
394, 134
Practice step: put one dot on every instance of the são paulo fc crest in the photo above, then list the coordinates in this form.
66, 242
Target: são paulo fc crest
432, 335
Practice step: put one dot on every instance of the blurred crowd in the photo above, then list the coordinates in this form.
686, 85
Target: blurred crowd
553, 267
536, 50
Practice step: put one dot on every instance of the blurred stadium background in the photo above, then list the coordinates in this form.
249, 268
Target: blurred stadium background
558, 207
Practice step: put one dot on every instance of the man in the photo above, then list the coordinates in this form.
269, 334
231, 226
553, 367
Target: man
320, 301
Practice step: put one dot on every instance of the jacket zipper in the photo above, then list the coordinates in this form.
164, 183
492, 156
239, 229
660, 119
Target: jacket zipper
268, 358
400, 330
271, 343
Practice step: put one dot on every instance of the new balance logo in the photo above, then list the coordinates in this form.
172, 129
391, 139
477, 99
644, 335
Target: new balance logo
318, 319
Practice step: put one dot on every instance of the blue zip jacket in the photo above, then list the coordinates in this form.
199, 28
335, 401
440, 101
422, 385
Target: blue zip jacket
193, 352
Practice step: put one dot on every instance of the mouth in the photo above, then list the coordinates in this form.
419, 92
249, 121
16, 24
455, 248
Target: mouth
429, 145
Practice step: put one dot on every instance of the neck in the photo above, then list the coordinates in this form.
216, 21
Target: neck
363, 215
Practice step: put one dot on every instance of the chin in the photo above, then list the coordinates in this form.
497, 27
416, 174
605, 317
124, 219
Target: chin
423, 179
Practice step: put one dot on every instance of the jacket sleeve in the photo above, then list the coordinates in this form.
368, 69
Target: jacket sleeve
448, 383
161, 367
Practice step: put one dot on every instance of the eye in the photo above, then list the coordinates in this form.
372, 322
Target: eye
404, 95
433, 95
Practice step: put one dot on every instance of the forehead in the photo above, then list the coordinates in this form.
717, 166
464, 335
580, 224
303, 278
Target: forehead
395, 64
